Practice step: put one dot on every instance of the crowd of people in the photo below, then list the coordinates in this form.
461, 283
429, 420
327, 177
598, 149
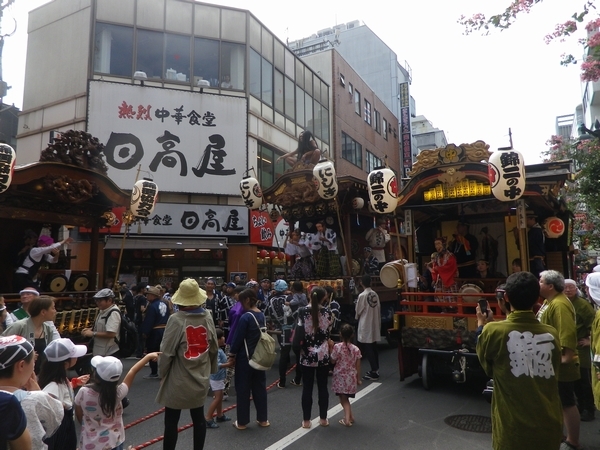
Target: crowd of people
201, 338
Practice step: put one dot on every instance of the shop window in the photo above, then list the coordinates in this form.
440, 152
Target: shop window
114, 50
177, 58
206, 61
232, 65
150, 53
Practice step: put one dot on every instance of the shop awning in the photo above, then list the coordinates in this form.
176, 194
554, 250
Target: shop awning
135, 243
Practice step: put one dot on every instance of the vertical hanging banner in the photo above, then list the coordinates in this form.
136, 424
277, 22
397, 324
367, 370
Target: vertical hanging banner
405, 129
261, 228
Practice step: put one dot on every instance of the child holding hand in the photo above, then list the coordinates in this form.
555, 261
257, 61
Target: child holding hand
346, 373
217, 385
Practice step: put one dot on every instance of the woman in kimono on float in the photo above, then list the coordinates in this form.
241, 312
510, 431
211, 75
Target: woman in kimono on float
443, 270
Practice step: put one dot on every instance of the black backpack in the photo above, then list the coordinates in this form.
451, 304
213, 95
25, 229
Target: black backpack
128, 335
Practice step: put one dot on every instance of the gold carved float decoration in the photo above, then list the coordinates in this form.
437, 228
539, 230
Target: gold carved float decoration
478, 151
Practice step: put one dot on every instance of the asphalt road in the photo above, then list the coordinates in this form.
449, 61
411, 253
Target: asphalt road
389, 415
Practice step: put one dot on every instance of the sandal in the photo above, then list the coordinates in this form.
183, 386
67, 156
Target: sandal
305, 422
324, 422
239, 427
343, 422
264, 424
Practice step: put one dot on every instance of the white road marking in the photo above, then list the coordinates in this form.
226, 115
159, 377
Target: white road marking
295, 435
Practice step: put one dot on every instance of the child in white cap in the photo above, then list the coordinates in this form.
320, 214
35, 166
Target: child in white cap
102, 418
44, 413
61, 355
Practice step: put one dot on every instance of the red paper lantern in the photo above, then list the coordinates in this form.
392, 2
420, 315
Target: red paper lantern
263, 253
288, 257
272, 254
281, 255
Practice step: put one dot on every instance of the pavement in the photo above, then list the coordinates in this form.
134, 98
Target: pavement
389, 414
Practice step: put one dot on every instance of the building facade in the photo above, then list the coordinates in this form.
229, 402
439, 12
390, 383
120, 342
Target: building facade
426, 136
190, 94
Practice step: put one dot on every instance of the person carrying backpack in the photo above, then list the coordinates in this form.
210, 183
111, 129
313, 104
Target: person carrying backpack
106, 327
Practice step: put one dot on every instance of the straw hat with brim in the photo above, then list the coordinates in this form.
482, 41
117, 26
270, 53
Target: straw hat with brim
189, 294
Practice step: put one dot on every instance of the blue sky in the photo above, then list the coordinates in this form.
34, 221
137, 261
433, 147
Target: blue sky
472, 87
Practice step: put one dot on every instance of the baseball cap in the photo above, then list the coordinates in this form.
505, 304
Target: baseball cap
13, 349
281, 285
63, 349
108, 368
105, 293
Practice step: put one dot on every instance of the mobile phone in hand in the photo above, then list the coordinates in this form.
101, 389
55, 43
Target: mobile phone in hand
483, 306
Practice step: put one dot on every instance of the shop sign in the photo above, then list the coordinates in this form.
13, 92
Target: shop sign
186, 141
264, 232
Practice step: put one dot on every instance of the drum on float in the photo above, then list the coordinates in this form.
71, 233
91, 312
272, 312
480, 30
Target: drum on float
393, 273
469, 288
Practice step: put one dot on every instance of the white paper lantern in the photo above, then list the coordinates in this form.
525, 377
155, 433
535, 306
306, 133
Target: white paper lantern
325, 180
383, 190
554, 227
506, 172
251, 192
358, 203
143, 198
8, 157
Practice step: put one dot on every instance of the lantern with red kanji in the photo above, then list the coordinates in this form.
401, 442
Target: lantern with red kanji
506, 172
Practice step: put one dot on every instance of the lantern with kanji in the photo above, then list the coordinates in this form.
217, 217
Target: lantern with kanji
554, 227
383, 190
251, 192
325, 179
143, 198
506, 172
8, 157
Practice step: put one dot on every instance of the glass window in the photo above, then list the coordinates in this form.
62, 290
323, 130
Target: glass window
372, 161
351, 150
267, 82
278, 91
384, 129
299, 72
267, 45
367, 112
308, 112
289, 64
377, 122
232, 65
279, 55
350, 89
206, 61
308, 78
325, 136
255, 73
268, 169
357, 101
150, 53
324, 94
300, 107
114, 50
289, 98
177, 57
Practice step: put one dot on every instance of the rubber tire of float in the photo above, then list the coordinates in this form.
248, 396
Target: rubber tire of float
426, 371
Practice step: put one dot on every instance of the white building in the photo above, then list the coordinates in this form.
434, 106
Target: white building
426, 136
